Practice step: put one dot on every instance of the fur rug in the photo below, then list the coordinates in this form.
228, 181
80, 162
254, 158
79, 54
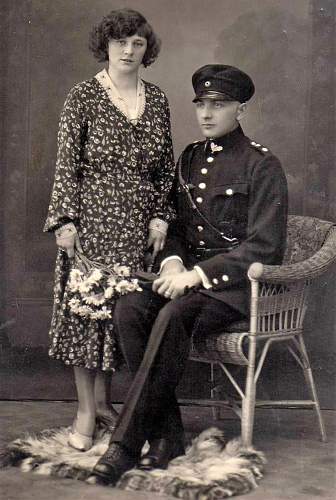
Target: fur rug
211, 468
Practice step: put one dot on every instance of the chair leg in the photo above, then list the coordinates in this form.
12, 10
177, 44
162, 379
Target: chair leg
308, 374
248, 409
216, 413
311, 384
248, 403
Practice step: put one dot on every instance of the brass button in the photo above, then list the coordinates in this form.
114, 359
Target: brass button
264, 150
229, 192
202, 185
207, 84
210, 159
215, 281
204, 171
199, 199
225, 277
200, 228
202, 243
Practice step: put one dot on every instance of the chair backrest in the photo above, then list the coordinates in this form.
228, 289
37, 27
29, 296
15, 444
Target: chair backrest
282, 307
305, 236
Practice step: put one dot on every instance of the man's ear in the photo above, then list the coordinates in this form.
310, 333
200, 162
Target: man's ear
241, 110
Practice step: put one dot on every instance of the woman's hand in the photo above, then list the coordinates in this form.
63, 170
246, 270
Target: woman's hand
173, 286
157, 240
68, 240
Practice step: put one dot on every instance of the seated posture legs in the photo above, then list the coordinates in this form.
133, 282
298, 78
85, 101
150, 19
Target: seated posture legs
157, 416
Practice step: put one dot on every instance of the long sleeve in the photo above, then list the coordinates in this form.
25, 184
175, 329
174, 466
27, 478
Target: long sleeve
175, 243
164, 173
266, 228
65, 197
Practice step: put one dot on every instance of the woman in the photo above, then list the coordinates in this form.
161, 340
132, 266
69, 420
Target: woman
113, 174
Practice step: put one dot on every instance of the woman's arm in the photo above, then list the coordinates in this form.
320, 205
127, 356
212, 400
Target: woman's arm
163, 181
164, 174
64, 202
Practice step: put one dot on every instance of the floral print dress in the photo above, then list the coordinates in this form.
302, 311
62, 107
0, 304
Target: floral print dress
112, 177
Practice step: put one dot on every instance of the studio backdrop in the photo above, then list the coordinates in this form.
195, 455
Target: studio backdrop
287, 47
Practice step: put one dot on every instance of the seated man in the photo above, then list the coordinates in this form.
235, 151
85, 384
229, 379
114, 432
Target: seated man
231, 202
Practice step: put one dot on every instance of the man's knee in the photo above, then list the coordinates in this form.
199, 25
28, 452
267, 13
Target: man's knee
171, 310
126, 303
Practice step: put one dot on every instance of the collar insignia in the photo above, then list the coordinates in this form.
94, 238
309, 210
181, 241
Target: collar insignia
215, 148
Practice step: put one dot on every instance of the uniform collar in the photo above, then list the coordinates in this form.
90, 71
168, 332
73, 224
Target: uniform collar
227, 140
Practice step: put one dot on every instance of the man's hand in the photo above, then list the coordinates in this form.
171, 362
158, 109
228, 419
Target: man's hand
172, 266
172, 286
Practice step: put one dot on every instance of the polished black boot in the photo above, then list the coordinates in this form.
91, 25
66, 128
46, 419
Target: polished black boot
160, 452
112, 465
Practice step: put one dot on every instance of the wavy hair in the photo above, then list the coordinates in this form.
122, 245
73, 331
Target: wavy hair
122, 23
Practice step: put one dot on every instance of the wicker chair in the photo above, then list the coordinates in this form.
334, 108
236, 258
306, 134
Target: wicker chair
279, 297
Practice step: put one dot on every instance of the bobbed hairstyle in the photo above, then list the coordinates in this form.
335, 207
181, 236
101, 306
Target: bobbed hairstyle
122, 23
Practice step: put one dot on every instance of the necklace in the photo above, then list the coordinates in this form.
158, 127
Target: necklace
131, 114
114, 96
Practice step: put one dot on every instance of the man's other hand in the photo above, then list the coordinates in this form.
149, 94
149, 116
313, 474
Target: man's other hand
172, 286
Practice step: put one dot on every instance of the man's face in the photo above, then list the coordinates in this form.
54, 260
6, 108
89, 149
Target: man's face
216, 117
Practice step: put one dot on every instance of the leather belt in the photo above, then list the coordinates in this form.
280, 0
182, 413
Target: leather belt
202, 253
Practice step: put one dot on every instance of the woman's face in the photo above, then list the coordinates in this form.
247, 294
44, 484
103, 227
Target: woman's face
126, 54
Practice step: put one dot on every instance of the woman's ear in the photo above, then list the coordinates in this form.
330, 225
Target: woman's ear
241, 110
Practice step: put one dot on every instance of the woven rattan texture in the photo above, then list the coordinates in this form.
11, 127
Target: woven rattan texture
283, 291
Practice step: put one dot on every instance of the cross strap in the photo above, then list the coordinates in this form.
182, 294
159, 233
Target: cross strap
186, 187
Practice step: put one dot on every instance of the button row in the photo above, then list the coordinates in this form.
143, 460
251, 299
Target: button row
224, 278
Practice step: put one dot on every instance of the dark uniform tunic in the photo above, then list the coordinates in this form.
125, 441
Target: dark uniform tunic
241, 190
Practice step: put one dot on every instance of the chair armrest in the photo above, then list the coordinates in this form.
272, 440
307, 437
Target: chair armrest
310, 268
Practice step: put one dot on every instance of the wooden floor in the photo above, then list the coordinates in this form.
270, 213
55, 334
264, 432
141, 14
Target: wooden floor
299, 465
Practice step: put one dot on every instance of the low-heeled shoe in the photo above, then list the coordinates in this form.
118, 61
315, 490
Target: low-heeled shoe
114, 463
79, 441
160, 452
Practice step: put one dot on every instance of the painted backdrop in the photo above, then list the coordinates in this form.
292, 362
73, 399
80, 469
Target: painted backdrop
288, 49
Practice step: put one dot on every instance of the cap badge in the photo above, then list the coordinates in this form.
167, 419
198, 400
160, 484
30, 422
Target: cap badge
215, 148
207, 84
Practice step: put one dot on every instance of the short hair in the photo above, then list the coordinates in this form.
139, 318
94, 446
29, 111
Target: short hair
122, 23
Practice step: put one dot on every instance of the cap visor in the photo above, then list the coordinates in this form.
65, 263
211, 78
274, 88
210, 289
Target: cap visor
212, 94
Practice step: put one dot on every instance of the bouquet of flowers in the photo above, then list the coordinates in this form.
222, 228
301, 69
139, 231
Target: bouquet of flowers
93, 287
